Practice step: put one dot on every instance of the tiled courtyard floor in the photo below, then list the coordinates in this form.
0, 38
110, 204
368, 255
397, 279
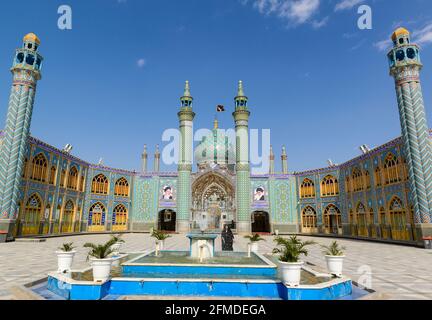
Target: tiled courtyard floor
395, 272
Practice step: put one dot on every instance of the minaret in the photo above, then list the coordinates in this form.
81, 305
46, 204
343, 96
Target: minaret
284, 159
186, 116
156, 164
241, 118
405, 66
26, 72
144, 157
272, 164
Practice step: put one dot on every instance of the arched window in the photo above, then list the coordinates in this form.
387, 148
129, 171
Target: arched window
371, 216
307, 189
53, 172
357, 177
309, 219
39, 168
62, 178
96, 216
332, 219
348, 184
81, 187
392, 172
398, 220
32, 215
121, 188
68, 217
100, 184
329, 186
362, 220
404, 169
73, 178
377, 176
120, 218
367, 179
382, 216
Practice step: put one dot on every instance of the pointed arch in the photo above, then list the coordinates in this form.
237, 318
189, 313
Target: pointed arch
309, 220
307, 189
72, 182
378, 176
121, 188
53, 174
392, 172
82, 183
32, 215
120, 218
332, 219
367, 179
361, 218
100, 184
397, 214
62, 178
96, 217
68, 217
329, 186
39, 168
357, 176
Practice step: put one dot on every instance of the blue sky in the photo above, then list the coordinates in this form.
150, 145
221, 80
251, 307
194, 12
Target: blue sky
113, 82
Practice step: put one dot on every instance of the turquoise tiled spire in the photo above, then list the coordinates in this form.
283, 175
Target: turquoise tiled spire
243, 194
186, 116
26, 72
405, 66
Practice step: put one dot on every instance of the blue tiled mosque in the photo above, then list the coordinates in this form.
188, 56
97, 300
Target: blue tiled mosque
384, 194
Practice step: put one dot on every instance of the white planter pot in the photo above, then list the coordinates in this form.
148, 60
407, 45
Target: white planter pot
276, 232
65, 260
116, 247
335, 264
161, 244
254, 247
101, 269
291, 272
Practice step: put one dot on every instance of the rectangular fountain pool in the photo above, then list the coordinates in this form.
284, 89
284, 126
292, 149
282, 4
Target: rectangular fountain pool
229, 264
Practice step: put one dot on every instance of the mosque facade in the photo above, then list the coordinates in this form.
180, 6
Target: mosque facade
384, 194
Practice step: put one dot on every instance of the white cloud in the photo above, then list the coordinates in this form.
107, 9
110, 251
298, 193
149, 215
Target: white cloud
294, 11
423, 36
347, 4
141, 63
383, 45
321, 23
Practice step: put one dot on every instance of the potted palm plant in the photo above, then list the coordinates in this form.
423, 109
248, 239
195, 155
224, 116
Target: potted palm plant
117, 244
254, 240
160, 237
334, 255
289, 252
99, 256
65, 255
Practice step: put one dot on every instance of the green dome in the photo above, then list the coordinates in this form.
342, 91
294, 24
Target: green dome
215, 148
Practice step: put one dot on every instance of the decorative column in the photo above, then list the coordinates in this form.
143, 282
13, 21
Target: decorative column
284, 159
243, 194
186, 116
26, 72
271, 158
156, 164
144, 157
405, 67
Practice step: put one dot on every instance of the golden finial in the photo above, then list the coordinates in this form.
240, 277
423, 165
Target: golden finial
398, 32
31, 37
